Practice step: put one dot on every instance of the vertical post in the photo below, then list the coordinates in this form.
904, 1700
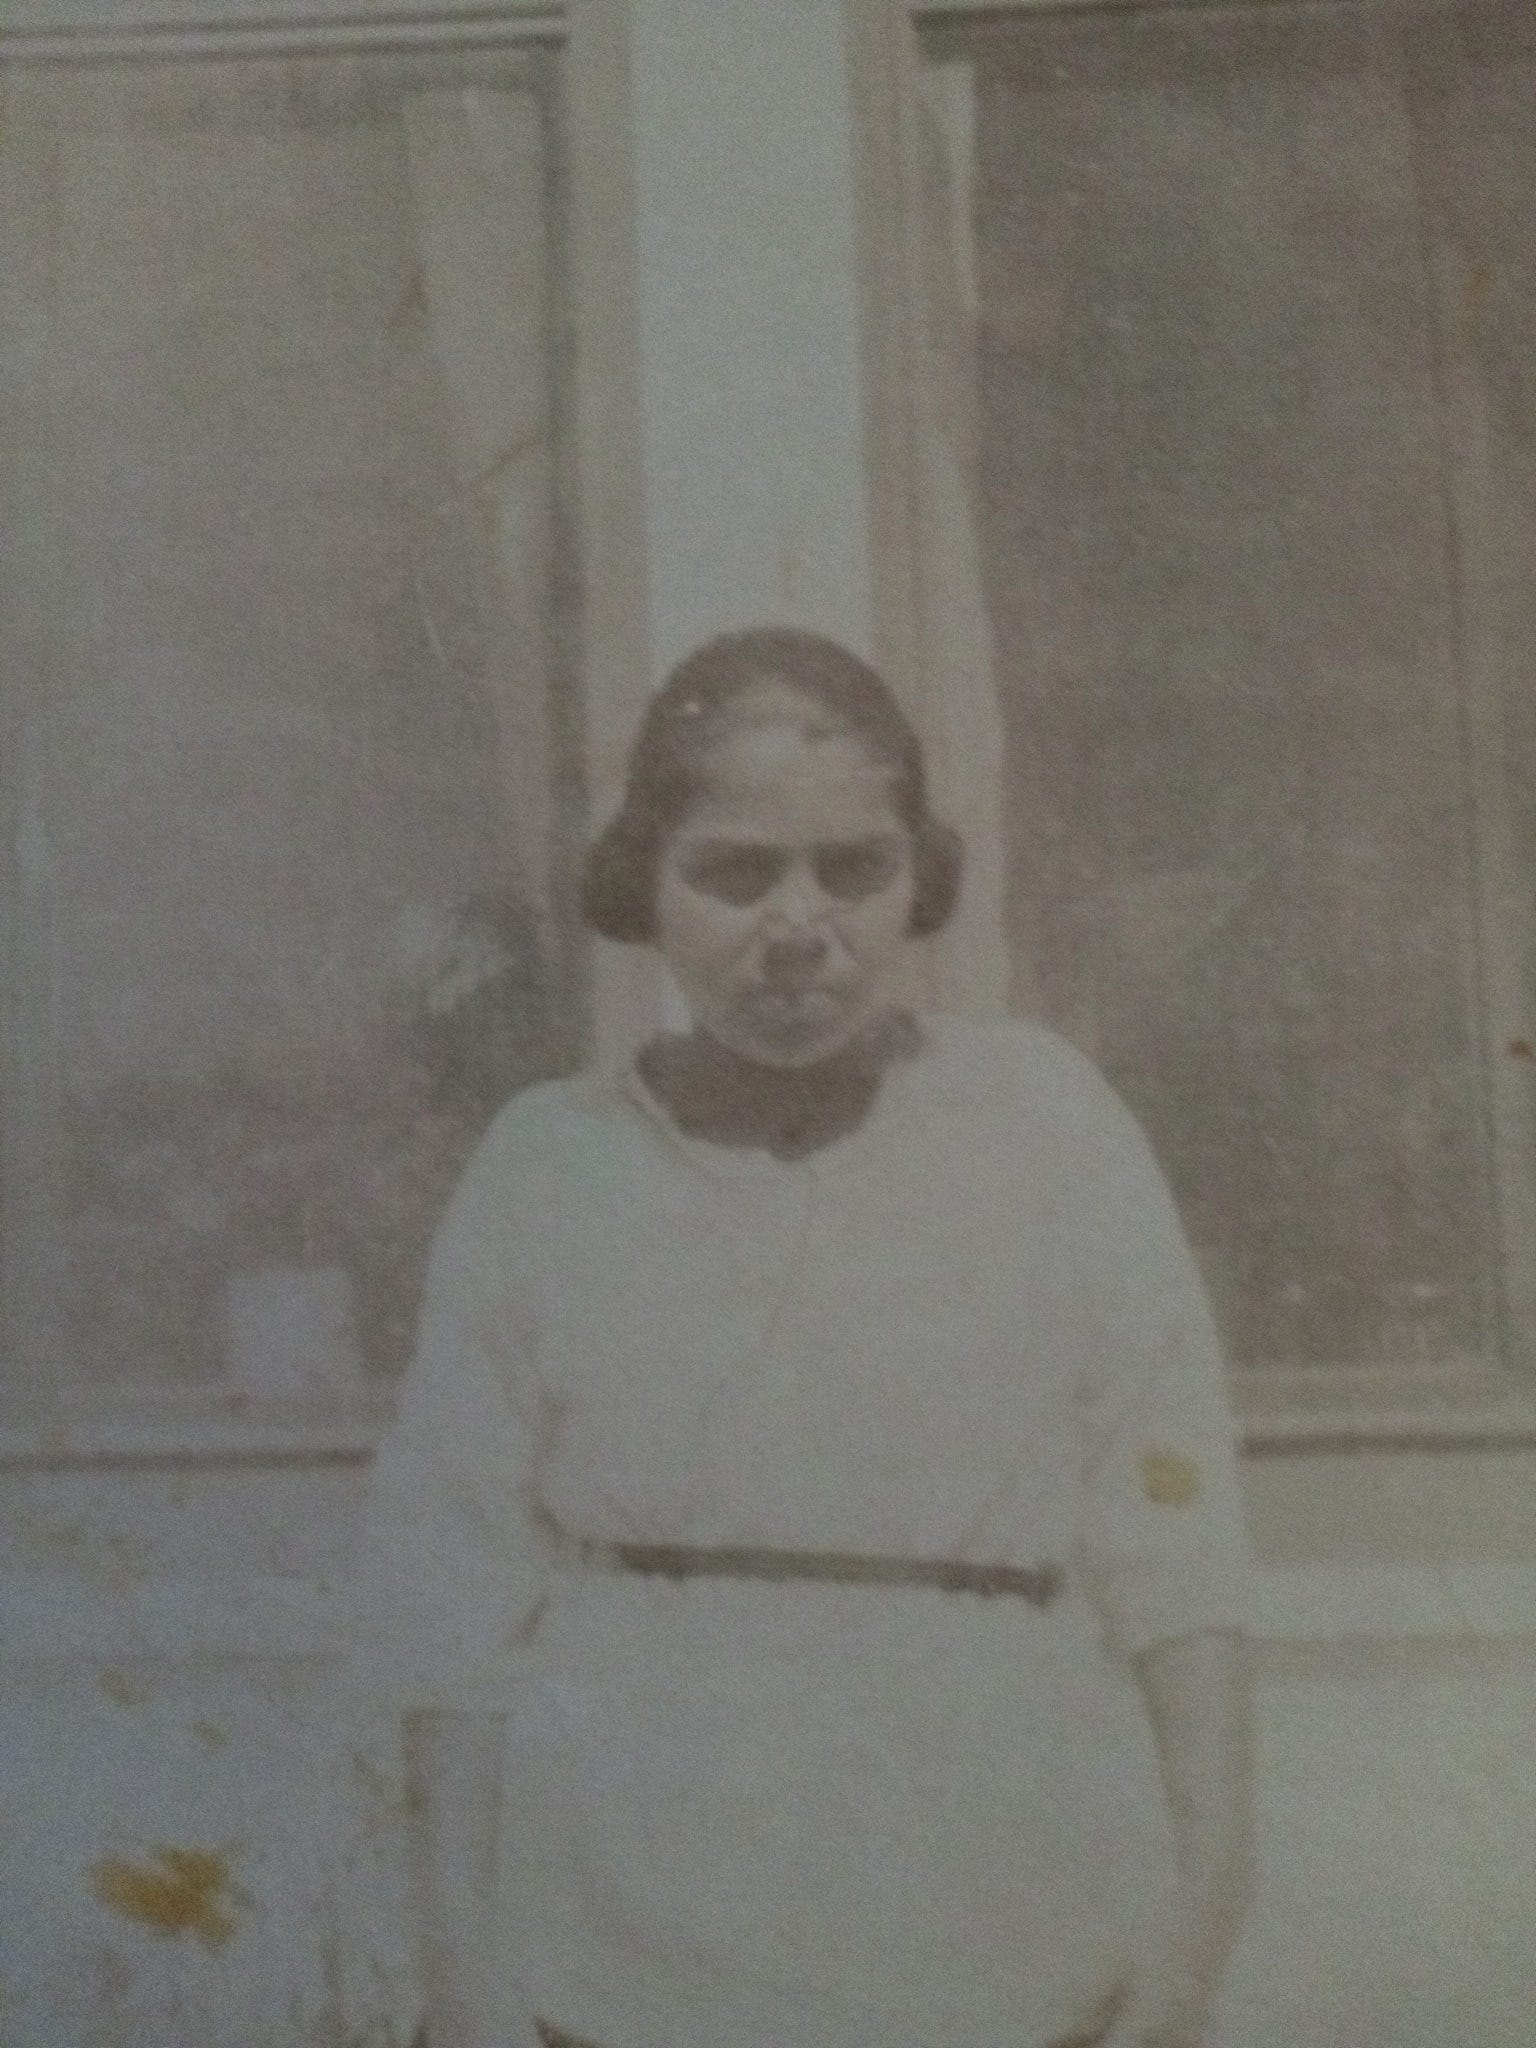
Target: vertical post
32, 1328
616, 661
751, 447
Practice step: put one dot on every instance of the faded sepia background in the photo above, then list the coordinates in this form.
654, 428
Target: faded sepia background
388, 399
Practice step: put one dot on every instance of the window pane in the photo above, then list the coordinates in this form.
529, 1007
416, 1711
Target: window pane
1236, 589
289, 763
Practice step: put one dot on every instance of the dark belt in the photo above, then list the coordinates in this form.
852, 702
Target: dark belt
1039, 1585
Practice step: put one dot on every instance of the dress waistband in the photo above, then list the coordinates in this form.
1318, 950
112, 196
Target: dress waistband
1038, 1585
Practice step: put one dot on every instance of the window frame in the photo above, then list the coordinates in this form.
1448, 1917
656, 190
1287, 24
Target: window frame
1283, 1411
47, 1423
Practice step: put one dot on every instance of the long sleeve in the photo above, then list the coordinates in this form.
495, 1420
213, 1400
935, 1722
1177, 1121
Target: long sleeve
451, 1570
1162, 1548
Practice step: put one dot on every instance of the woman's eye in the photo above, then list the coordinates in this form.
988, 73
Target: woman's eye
857, 868
733, 874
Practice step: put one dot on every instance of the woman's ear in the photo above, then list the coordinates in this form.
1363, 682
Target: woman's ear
938, 863
618, 883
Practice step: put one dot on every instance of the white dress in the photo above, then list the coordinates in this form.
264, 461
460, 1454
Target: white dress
750, 1810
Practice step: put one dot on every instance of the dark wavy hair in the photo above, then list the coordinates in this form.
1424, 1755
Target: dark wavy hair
691, 713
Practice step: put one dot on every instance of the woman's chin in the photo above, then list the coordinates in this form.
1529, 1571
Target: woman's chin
792, 1035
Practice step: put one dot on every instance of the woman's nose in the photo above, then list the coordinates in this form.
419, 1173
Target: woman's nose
799, 900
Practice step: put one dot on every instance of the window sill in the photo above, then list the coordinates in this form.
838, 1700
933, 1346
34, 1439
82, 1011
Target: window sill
1281, 1416
201, 1429
1335, 1410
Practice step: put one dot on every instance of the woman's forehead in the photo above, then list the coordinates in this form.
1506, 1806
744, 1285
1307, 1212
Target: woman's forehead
774, 779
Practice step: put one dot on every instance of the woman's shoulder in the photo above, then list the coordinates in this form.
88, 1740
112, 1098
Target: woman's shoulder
1013, 1058
545, 1156
550, 1124
1024, 1083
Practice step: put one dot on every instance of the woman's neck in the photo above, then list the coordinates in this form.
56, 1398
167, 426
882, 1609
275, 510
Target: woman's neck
719, 1095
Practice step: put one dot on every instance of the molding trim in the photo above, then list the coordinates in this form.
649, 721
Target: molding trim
945, 13
156, 1436
1348, 1436
89, 35
1329, 1411
179, 1434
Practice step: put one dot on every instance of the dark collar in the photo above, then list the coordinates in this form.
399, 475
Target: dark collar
715, 1094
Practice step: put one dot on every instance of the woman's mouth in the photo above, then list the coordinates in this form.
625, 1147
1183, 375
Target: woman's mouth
792, 1006
793, 995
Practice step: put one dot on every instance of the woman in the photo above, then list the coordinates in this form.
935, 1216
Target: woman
810, 1531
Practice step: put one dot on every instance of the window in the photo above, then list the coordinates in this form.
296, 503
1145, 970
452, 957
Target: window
1232, 366
1249, 410
291, 753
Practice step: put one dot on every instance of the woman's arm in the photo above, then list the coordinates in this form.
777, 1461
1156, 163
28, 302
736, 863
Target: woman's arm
455, 1762
1198, 1697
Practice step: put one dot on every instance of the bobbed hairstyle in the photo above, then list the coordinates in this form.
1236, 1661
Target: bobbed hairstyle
692, 712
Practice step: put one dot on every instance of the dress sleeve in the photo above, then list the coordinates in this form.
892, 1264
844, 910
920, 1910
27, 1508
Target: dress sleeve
1162, 1548
450, 1568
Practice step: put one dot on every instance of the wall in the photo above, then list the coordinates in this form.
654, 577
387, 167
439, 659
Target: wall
168, 1685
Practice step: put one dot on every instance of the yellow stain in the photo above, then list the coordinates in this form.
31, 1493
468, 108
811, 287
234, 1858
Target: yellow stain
212, 1733
1169, 1479
177, 1894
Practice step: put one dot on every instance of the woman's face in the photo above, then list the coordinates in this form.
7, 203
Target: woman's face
783, 897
